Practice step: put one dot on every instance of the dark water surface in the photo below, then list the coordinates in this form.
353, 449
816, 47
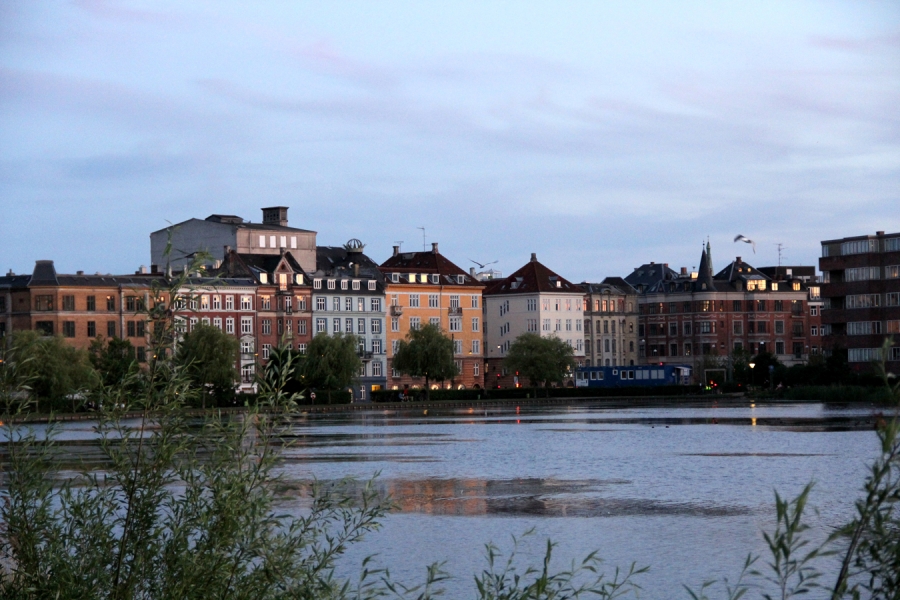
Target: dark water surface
686, 491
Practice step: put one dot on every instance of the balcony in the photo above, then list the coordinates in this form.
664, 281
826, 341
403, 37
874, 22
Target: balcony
364, 355
396, 310
455, 310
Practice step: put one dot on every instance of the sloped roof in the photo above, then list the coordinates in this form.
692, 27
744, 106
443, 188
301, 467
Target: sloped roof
336, 260
432, 263
242, 225
532, 278
649, 274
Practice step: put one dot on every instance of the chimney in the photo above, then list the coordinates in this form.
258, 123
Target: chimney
472, 272
879, 233
79, 272
684, 271
275, 215
534, 257
665, 265
154, 269
227, 249
738, 260
10, 273
356, 269
143, 269
396, 250
652, 263
434, 247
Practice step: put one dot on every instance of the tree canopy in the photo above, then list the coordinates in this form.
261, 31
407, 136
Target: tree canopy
541, 359
54, 371
113, 359
208, 356
331, 362
428, 353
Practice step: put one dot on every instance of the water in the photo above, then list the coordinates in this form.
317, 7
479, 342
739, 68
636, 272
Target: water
687, 491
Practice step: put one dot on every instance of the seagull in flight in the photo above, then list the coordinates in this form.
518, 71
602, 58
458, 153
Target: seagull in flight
741, 238
481, 266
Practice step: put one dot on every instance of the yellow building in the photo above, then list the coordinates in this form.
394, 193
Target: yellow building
425, 288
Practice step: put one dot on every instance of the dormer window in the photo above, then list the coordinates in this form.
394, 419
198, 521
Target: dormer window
298, 278
558, 283
343, 284
395, 277
460, 279
774, 287
264, 278
372, 285
317, 284
331, 284
356, 284
435, 279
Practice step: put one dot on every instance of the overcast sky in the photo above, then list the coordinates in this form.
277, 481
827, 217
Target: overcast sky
600, 135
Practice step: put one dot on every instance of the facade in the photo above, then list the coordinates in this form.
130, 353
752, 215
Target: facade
861, 292
610, 323
533, 299
700, 319
425, 287
217, 234
348, 297
77, 307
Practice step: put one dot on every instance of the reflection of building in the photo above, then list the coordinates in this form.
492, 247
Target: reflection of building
610, 323
461, 497
861, 290
216, 232
700, 318
534, 299
426, 288
348, 297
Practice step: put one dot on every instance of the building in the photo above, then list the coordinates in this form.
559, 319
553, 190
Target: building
861, 292
348, 297
426, 287
216, 234
610, 323
700, 319
533, 299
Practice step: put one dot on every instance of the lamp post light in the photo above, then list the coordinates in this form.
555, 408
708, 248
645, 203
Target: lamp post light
751, 365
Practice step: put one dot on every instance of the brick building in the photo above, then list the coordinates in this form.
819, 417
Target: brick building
861, 291
426, 287
610, 323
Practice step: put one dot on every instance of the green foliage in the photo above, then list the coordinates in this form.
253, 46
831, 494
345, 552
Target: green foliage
57, 374
208, 356
426, 352
543, 360
113, 359
330, 363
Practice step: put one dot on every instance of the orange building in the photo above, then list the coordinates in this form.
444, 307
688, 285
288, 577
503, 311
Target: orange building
426, 288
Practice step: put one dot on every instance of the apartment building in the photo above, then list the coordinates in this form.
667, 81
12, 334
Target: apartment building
348, 297
685, 318
427, 288
216, 234
533, 299
610, 323
861, 292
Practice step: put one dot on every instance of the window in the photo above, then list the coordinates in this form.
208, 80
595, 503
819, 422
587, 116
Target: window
892, 271
348, 325
814, 311
246, 302
578, 324
863, 327
457, 347
414, 301
321, 325
545, 325
414, 322
336, 325
395, 323
217, 323
558, 325
779, 347
229, 325
229, 302
92, 303
476, 346
141, 354
331, 284
68, 302
376, 368
779, 327
779, 306
673, 329
348, 304
317, 284
435, 322
376, 346
687, 326
321, 303
862, 301
475, 370
813, 331
336, 303
371, 285
797, 328
738, 328
707, 327
863, 354
892, 298
545, 304
861, 274
266, 326
68, 328
395, 277
375, 304
433, 301
246, 325
217, 303
111, 329
376, 325
434, 278
455, 324
761, 306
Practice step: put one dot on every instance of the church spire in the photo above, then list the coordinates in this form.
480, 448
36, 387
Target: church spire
705, 273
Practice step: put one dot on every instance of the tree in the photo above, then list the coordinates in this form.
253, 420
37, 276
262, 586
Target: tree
428, 353
541, 359
331, 363
55, 372
113, 359
208, 357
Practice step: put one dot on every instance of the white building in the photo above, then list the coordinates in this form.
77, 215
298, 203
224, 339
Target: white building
534, 299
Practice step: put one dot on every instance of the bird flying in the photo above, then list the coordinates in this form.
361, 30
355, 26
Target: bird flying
740, 238
481, 266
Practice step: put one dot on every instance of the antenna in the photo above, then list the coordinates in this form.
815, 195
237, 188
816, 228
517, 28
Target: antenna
780, 247
399, 244
423, 237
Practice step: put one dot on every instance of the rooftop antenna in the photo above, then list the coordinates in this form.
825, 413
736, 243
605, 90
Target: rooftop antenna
399, 244
423, 237
780, 247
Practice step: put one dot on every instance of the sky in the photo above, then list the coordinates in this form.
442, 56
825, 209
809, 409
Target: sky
599, 135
